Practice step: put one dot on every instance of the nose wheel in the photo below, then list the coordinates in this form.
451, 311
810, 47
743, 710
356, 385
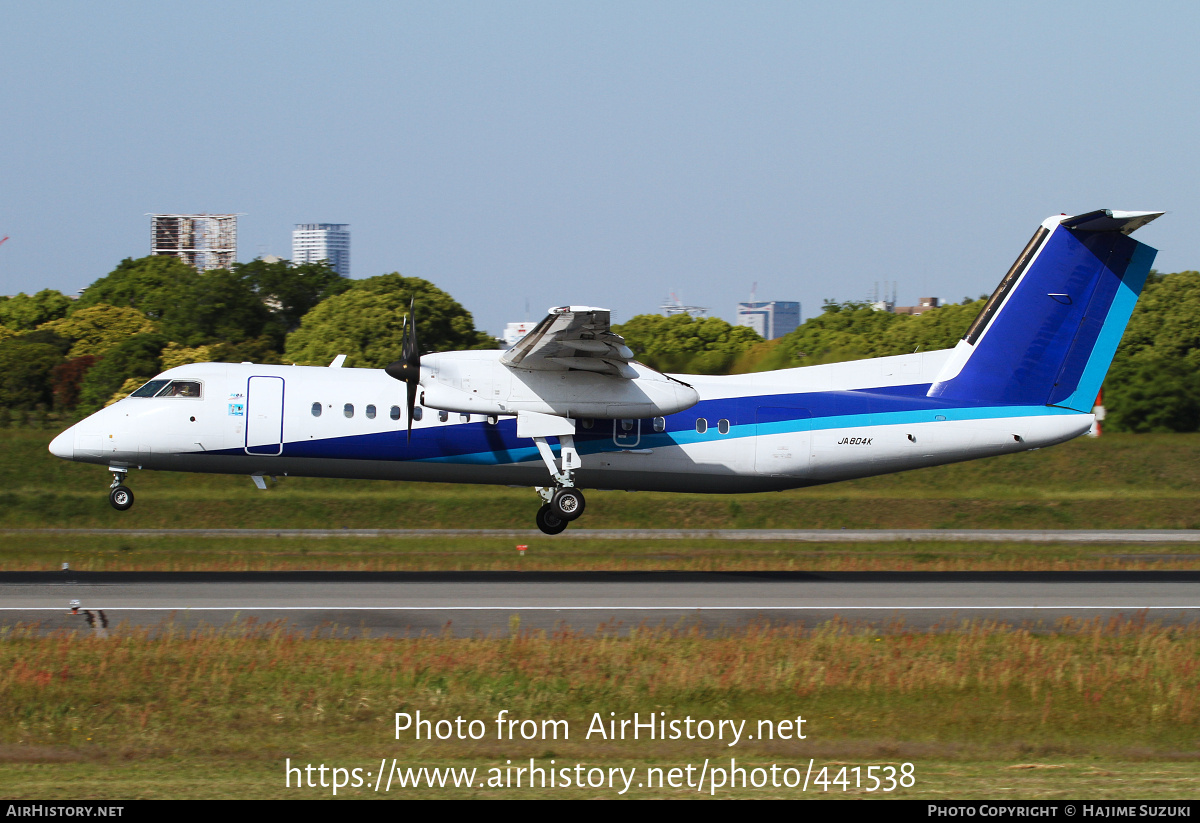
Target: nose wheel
119, 495
121, 498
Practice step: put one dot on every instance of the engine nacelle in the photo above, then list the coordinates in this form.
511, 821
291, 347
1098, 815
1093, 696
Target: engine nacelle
477, 383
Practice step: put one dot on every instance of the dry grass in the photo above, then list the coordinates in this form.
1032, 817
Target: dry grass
47, 552
979, 709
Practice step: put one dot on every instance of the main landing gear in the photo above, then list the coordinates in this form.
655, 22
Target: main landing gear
119, 494
562, 502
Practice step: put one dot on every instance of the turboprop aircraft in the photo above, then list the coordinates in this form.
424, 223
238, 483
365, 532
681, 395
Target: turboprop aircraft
569, 407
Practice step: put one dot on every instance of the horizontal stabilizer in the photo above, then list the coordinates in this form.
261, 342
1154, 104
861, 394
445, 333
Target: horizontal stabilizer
1125, 222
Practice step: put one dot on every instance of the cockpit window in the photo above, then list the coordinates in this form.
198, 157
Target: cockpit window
150, 389
180, 388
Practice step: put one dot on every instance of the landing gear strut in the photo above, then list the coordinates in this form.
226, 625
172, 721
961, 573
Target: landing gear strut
562, 502
119, 494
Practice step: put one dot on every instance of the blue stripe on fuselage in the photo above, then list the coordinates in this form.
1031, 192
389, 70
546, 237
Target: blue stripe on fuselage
492, 444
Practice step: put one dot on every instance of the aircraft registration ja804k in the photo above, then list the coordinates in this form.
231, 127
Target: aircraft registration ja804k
568, 407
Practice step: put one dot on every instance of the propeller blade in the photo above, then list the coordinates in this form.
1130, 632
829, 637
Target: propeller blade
412, 401
408, 367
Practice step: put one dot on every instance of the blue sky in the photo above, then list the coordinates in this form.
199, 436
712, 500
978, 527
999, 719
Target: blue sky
606, 153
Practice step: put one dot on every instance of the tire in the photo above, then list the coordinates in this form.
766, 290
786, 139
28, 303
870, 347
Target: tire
568, 503
121, 498
548, 522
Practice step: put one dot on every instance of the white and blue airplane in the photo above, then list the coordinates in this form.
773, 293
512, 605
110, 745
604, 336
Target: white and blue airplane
569, 407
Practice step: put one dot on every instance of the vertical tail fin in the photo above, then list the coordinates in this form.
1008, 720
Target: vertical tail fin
1049, 332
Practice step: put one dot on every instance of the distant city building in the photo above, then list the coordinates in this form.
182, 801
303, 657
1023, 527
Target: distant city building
924, 304
313, 242
515, 331
771, 319
203, 241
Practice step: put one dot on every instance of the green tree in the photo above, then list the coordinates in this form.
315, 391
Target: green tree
1154, 382
1152, 392
366, 322
191, 308
290, 290
96, 329
939, 328
153, 285
686, 344
216, 306
1167, 318
25, 311
26, 366
138, 357
843, 331
66, 379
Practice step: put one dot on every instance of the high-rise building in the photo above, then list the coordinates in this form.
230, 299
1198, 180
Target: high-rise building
203, 241
771, 319
313, 242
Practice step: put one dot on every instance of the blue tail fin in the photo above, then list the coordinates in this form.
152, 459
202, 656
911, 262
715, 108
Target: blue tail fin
1049, 332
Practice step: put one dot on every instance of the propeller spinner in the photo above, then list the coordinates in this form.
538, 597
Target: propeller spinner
408, 367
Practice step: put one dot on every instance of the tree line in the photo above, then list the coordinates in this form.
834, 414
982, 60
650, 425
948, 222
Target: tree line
150, 314
154, 313
1153, 385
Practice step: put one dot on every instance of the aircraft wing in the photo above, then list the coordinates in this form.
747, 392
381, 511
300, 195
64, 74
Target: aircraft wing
573, 338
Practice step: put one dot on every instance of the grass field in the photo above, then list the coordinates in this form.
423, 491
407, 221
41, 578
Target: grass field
1094, 710
47, 552
1114, 482
1087, 711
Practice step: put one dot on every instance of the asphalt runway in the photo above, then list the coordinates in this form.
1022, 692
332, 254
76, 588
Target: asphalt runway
471, 603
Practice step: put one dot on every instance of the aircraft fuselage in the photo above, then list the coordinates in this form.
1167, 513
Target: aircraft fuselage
747, 433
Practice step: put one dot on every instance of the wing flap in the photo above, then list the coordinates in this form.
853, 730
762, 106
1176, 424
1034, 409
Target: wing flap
573, 337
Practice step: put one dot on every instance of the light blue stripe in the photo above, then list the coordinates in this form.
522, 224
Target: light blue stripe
1084, 396
681, 438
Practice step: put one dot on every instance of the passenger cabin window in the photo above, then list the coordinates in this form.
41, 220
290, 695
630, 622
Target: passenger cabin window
464, 418
626, 425
443, 416
587, 422
660, 424
394, 413
150, 389
316, 409
370, 412
348, 410
418, 413
723, 426
701, 425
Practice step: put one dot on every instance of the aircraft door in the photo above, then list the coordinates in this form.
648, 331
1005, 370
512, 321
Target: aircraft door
264, 415
782, 440
627, 433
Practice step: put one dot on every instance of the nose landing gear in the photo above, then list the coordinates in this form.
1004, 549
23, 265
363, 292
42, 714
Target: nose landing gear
119, 494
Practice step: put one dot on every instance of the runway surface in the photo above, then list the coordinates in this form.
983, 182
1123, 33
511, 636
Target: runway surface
415, 603
1130, 536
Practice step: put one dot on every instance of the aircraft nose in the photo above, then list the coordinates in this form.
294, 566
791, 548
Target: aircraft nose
64, 445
